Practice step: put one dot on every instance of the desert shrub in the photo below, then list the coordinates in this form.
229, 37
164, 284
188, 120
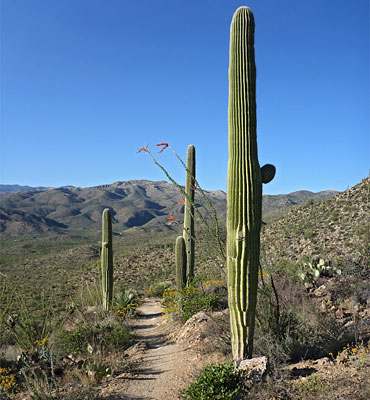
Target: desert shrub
158, 289
217, 382
189, 301
38, 373
357, 355
192, 305
106, 336
289, 329
362, 293
313, 385
73, 341
309, 203
309, 234
8, 383
28, 328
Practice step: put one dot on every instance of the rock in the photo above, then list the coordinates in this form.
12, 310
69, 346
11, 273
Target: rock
321, 291
323, 307
211, 332
339, 313
349, 324
357, 308
136, 349
322, 361
255, 368
91, 309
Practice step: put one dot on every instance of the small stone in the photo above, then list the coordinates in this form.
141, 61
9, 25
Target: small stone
349, 324
321, 291
254, 368
323, 307
322, 361
137, 348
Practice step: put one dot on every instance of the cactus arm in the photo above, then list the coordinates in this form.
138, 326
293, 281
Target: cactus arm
107, 259
180, 253
268, 172
189, 231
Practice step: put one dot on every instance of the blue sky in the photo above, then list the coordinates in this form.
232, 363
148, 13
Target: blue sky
86, 83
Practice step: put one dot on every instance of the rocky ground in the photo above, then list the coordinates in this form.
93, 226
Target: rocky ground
170, 356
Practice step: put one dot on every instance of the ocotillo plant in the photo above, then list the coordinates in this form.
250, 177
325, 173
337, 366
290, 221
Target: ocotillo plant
189, 231
180, 252
209, 227
107, 259
244, 186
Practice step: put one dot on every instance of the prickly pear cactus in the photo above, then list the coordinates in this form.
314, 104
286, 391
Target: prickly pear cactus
107, 259
311, 272
244, 186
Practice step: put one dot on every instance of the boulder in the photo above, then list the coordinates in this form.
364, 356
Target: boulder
254, 368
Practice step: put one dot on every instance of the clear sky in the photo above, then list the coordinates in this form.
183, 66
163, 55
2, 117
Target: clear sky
86, 83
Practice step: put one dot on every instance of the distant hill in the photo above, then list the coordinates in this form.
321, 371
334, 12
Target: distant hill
139, 205
18, 188
333, 229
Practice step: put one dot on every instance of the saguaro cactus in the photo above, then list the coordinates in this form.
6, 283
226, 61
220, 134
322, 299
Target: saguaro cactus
189, 231
180, 252
107, 259
244, 186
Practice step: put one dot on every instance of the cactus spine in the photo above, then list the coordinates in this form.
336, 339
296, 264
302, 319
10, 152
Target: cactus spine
244, 186
189, 232
180, 252
107, 259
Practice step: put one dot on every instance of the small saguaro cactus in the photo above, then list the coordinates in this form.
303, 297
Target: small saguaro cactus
244, 186
107, 259
189, 231
180, 252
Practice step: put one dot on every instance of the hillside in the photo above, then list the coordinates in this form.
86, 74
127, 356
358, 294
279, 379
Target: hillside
138, 204
336, 229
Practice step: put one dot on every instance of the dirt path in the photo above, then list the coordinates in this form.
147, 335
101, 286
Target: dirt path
165, 368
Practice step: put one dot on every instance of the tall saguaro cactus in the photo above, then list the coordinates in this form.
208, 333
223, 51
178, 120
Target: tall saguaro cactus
107, 259
244, 186
189, 231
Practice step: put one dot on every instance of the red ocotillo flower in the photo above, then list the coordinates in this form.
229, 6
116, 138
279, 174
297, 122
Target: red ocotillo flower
194, 187
171, 218
144, 149
164, 144
182, 201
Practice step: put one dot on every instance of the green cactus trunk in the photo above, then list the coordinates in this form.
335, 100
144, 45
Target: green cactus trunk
244, 186
180, 252
189, 231
107, 259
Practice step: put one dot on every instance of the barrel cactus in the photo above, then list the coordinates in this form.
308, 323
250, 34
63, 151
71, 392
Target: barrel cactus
107, 259
189, 231
244, 186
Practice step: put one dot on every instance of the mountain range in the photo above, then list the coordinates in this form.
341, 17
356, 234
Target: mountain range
18, 188
138, 205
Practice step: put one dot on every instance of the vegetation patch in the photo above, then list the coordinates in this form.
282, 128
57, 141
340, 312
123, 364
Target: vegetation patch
217, 382
184, 304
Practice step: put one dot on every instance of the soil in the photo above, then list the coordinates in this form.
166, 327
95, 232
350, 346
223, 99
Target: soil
169, 357
165, 368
